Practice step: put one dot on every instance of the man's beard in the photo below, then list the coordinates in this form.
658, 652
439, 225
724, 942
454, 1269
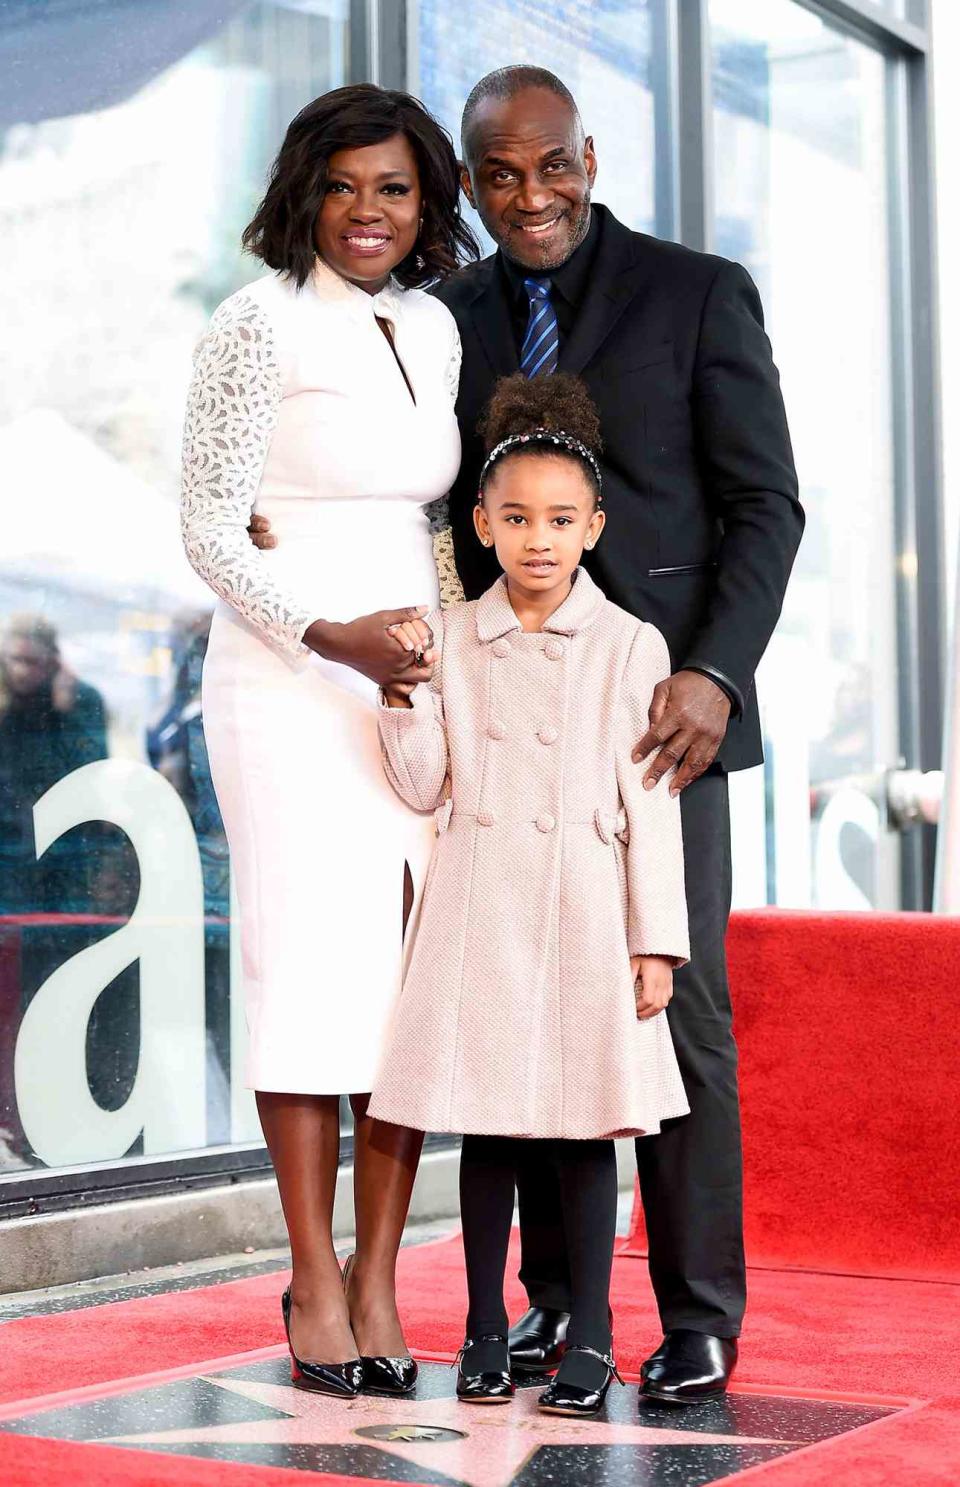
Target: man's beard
579, 219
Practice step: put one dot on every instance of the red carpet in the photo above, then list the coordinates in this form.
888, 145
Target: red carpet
842, 1334
850, 1336
850, 1077
850, 1083
26, 1461
821, 1332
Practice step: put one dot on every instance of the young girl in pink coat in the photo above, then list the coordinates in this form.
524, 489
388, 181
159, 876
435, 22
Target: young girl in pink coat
553, 913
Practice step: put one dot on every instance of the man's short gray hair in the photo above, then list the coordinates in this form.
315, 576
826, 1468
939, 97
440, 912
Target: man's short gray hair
505, 83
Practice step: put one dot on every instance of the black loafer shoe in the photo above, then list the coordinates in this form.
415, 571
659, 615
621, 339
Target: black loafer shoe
478, 1384
389, 1375
688, 1368
538, 1340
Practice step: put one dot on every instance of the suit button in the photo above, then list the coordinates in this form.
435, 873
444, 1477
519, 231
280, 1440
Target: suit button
546, 734
554, 650
501, 648
484, 818
495, 729
545, 823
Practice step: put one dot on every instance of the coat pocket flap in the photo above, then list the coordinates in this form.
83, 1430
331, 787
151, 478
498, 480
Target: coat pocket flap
611, 824
442, 816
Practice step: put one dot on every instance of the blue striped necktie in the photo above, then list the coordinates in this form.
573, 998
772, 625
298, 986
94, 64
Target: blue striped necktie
541, 343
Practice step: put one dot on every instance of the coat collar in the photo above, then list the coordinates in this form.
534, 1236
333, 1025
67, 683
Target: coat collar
496, 617
613, 282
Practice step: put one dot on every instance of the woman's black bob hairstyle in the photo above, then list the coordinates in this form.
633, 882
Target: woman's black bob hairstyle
281, 233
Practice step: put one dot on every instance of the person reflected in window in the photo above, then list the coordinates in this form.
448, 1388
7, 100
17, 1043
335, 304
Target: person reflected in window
51, 723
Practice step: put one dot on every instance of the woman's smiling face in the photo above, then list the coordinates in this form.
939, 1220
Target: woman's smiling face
371, 211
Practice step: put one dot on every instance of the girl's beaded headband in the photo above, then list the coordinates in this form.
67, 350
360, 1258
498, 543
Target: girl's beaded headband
544, 436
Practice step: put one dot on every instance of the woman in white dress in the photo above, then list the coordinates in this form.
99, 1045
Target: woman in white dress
323, 399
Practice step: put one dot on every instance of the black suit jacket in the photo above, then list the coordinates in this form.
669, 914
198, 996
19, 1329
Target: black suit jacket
699, 484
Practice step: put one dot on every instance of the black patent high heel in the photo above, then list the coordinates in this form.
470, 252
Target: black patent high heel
486, 1386
574, 1399
342, 1380
383, 1375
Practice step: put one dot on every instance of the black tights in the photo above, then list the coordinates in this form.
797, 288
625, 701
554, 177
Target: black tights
588, 1187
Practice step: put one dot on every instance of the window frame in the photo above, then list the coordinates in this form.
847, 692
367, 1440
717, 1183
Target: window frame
921, 607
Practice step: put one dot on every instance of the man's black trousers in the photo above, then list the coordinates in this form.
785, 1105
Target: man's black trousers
691, 1173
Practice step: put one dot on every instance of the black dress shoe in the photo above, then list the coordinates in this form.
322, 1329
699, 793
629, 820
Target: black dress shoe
484, 1379
688, 1368
563, 1398
538, 1340
342, 1380
389, 1375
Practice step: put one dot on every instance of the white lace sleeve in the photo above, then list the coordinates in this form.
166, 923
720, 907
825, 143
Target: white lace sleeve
438, 512
451, 376
232, 411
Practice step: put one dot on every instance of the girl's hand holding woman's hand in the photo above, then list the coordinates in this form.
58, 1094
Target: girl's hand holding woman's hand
397, 692
652, 984
382, 646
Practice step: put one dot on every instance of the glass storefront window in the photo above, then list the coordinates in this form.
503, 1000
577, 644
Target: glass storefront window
135, 147
612, 57
799, 127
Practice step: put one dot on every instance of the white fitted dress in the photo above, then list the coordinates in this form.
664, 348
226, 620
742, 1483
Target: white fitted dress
299, 411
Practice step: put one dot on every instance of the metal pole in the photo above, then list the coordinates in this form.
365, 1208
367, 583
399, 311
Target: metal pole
946, 881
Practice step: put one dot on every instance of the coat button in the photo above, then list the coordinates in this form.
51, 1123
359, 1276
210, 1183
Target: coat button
546, 734
501, 648
545, 823
554, 650
484, 818
495, 729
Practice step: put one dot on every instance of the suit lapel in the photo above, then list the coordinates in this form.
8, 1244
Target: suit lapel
614, 280
490, 316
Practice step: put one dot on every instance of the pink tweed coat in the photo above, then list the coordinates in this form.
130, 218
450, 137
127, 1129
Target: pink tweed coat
552, 867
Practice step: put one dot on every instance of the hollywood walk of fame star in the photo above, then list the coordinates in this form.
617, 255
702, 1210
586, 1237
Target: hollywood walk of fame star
487, 1449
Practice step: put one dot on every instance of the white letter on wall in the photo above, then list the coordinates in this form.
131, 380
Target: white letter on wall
62, 1121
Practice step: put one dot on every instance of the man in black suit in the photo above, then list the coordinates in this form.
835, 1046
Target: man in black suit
703, 523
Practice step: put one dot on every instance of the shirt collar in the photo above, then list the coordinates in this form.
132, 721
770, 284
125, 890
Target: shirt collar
330, 286
496, 615
570, 279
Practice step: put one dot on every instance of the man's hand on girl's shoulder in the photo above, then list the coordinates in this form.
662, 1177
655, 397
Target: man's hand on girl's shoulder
653, 984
